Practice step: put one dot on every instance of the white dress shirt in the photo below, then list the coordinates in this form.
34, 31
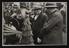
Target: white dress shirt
35, 18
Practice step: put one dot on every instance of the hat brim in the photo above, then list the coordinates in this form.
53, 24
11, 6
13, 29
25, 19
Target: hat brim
37, 8
51, 6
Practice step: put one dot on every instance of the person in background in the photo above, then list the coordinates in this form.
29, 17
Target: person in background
11, 36
9, 33
63, 11
15, 8
7, 13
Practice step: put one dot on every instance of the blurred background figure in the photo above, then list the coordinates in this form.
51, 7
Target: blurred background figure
10, 36
63, 10
62, 7
7, 13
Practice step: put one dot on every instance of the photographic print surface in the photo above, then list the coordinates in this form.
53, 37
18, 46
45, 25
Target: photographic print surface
34, 23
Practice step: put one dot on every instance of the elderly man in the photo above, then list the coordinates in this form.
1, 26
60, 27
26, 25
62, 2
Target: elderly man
52, 30
38, 20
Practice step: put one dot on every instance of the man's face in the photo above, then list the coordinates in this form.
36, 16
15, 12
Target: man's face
37, 12
9, 7
49, 9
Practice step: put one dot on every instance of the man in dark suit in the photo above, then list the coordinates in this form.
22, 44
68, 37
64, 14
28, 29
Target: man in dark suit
37, 23
52, 30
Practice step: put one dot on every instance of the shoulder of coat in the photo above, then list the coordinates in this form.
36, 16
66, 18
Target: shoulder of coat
58, 15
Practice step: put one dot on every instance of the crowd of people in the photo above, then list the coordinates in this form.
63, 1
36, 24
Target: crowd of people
36, 25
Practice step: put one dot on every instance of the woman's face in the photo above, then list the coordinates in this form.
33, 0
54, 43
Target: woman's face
23, 12
19, 16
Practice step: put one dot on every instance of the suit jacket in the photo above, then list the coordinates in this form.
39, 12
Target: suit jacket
53, 28
38, 24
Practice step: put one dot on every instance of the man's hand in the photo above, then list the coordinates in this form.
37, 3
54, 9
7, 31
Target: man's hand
10, 30
38, 40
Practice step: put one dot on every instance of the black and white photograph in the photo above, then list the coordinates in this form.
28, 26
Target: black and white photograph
34, 23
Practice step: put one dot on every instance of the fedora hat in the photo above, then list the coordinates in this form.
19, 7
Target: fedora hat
51, 4
23, 5
37, 7
59, 4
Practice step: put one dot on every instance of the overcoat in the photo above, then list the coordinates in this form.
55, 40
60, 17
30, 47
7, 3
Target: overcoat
52, 32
